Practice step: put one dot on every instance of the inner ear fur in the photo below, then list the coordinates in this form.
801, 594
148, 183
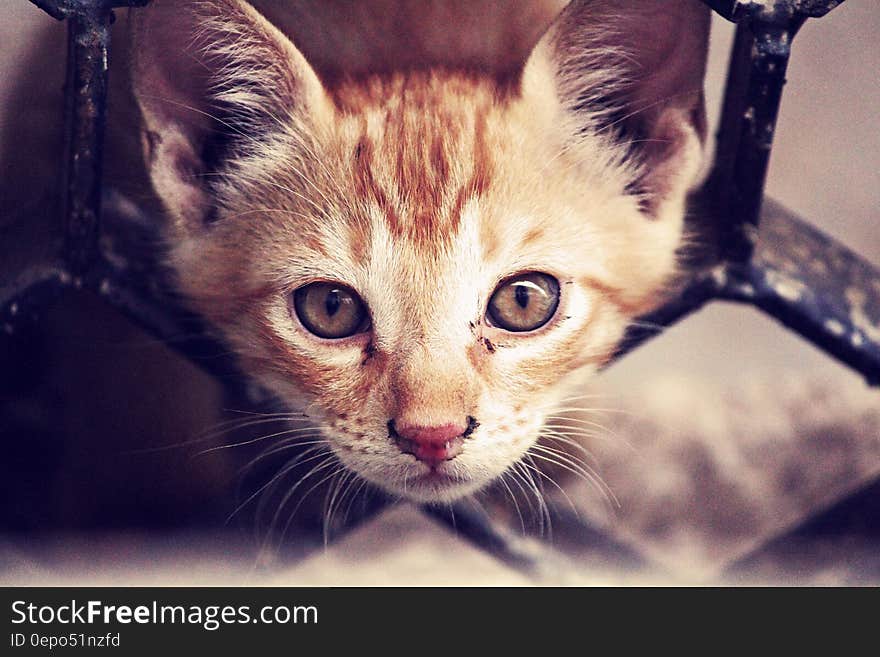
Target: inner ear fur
210, 78
633, 71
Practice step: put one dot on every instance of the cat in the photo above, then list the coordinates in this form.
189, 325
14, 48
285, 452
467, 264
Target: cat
422, 224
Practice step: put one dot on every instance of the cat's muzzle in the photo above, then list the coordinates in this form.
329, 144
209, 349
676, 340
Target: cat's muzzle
432, 445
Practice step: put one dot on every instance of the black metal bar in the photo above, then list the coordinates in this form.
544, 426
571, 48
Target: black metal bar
551, 560
85, 113
812, 284
701, 289
816, 287
739, 10
86, 93
482, 532
842, 538
61, 9
728, 137
748, 122
40, 290
55, 8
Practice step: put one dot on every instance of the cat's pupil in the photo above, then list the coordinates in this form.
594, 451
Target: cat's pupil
522, 296
332, 303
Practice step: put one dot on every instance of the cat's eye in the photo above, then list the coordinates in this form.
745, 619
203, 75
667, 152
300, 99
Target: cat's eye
524, 302
330, 310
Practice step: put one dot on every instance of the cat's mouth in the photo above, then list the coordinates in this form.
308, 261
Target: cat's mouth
438, 484
437, 477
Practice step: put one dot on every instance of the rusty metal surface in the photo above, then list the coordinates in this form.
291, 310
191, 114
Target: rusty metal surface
816, 287
61, 9
85, 116
745, 136
813, 285
756, 76
771, 10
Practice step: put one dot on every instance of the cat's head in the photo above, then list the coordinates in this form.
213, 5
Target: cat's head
424, 261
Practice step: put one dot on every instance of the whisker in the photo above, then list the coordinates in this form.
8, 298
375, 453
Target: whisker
546, 476
293, 443
264, 414
284, 470
574, 398
517, 478
339, 469
583, 472
351, 501
242, 423
569, 435
251, 441
563, 458
334, 494
503, 482
281, 473
553, 434
652, 326
238, 175
330, 461
210, 433
538, 487
589, 409
543, 515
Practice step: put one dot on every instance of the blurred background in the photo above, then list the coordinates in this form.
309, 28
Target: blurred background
717, 436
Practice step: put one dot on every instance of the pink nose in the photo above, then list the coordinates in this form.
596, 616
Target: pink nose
432, 445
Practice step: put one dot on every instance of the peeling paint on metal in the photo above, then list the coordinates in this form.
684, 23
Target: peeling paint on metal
745, 289
819, 267
834, 327
719, 277
858, 316
786, 287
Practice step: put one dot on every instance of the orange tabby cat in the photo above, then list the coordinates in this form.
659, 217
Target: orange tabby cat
423, 222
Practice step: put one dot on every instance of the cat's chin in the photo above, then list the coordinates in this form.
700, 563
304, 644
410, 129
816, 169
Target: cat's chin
431, 487
437, 487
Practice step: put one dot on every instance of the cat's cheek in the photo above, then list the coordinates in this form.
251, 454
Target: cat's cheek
331, 379
378, 464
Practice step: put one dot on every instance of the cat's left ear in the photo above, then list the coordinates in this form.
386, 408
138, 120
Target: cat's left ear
214, 80
632, 71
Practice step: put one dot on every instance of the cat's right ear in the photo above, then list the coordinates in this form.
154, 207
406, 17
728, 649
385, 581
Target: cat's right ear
632, 72
211, 79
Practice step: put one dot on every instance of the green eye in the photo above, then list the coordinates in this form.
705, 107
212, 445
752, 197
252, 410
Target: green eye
330, 310
524, 302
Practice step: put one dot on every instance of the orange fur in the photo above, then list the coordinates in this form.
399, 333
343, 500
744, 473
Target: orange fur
421, 188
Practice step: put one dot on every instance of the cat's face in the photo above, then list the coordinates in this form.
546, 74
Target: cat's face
424, 263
